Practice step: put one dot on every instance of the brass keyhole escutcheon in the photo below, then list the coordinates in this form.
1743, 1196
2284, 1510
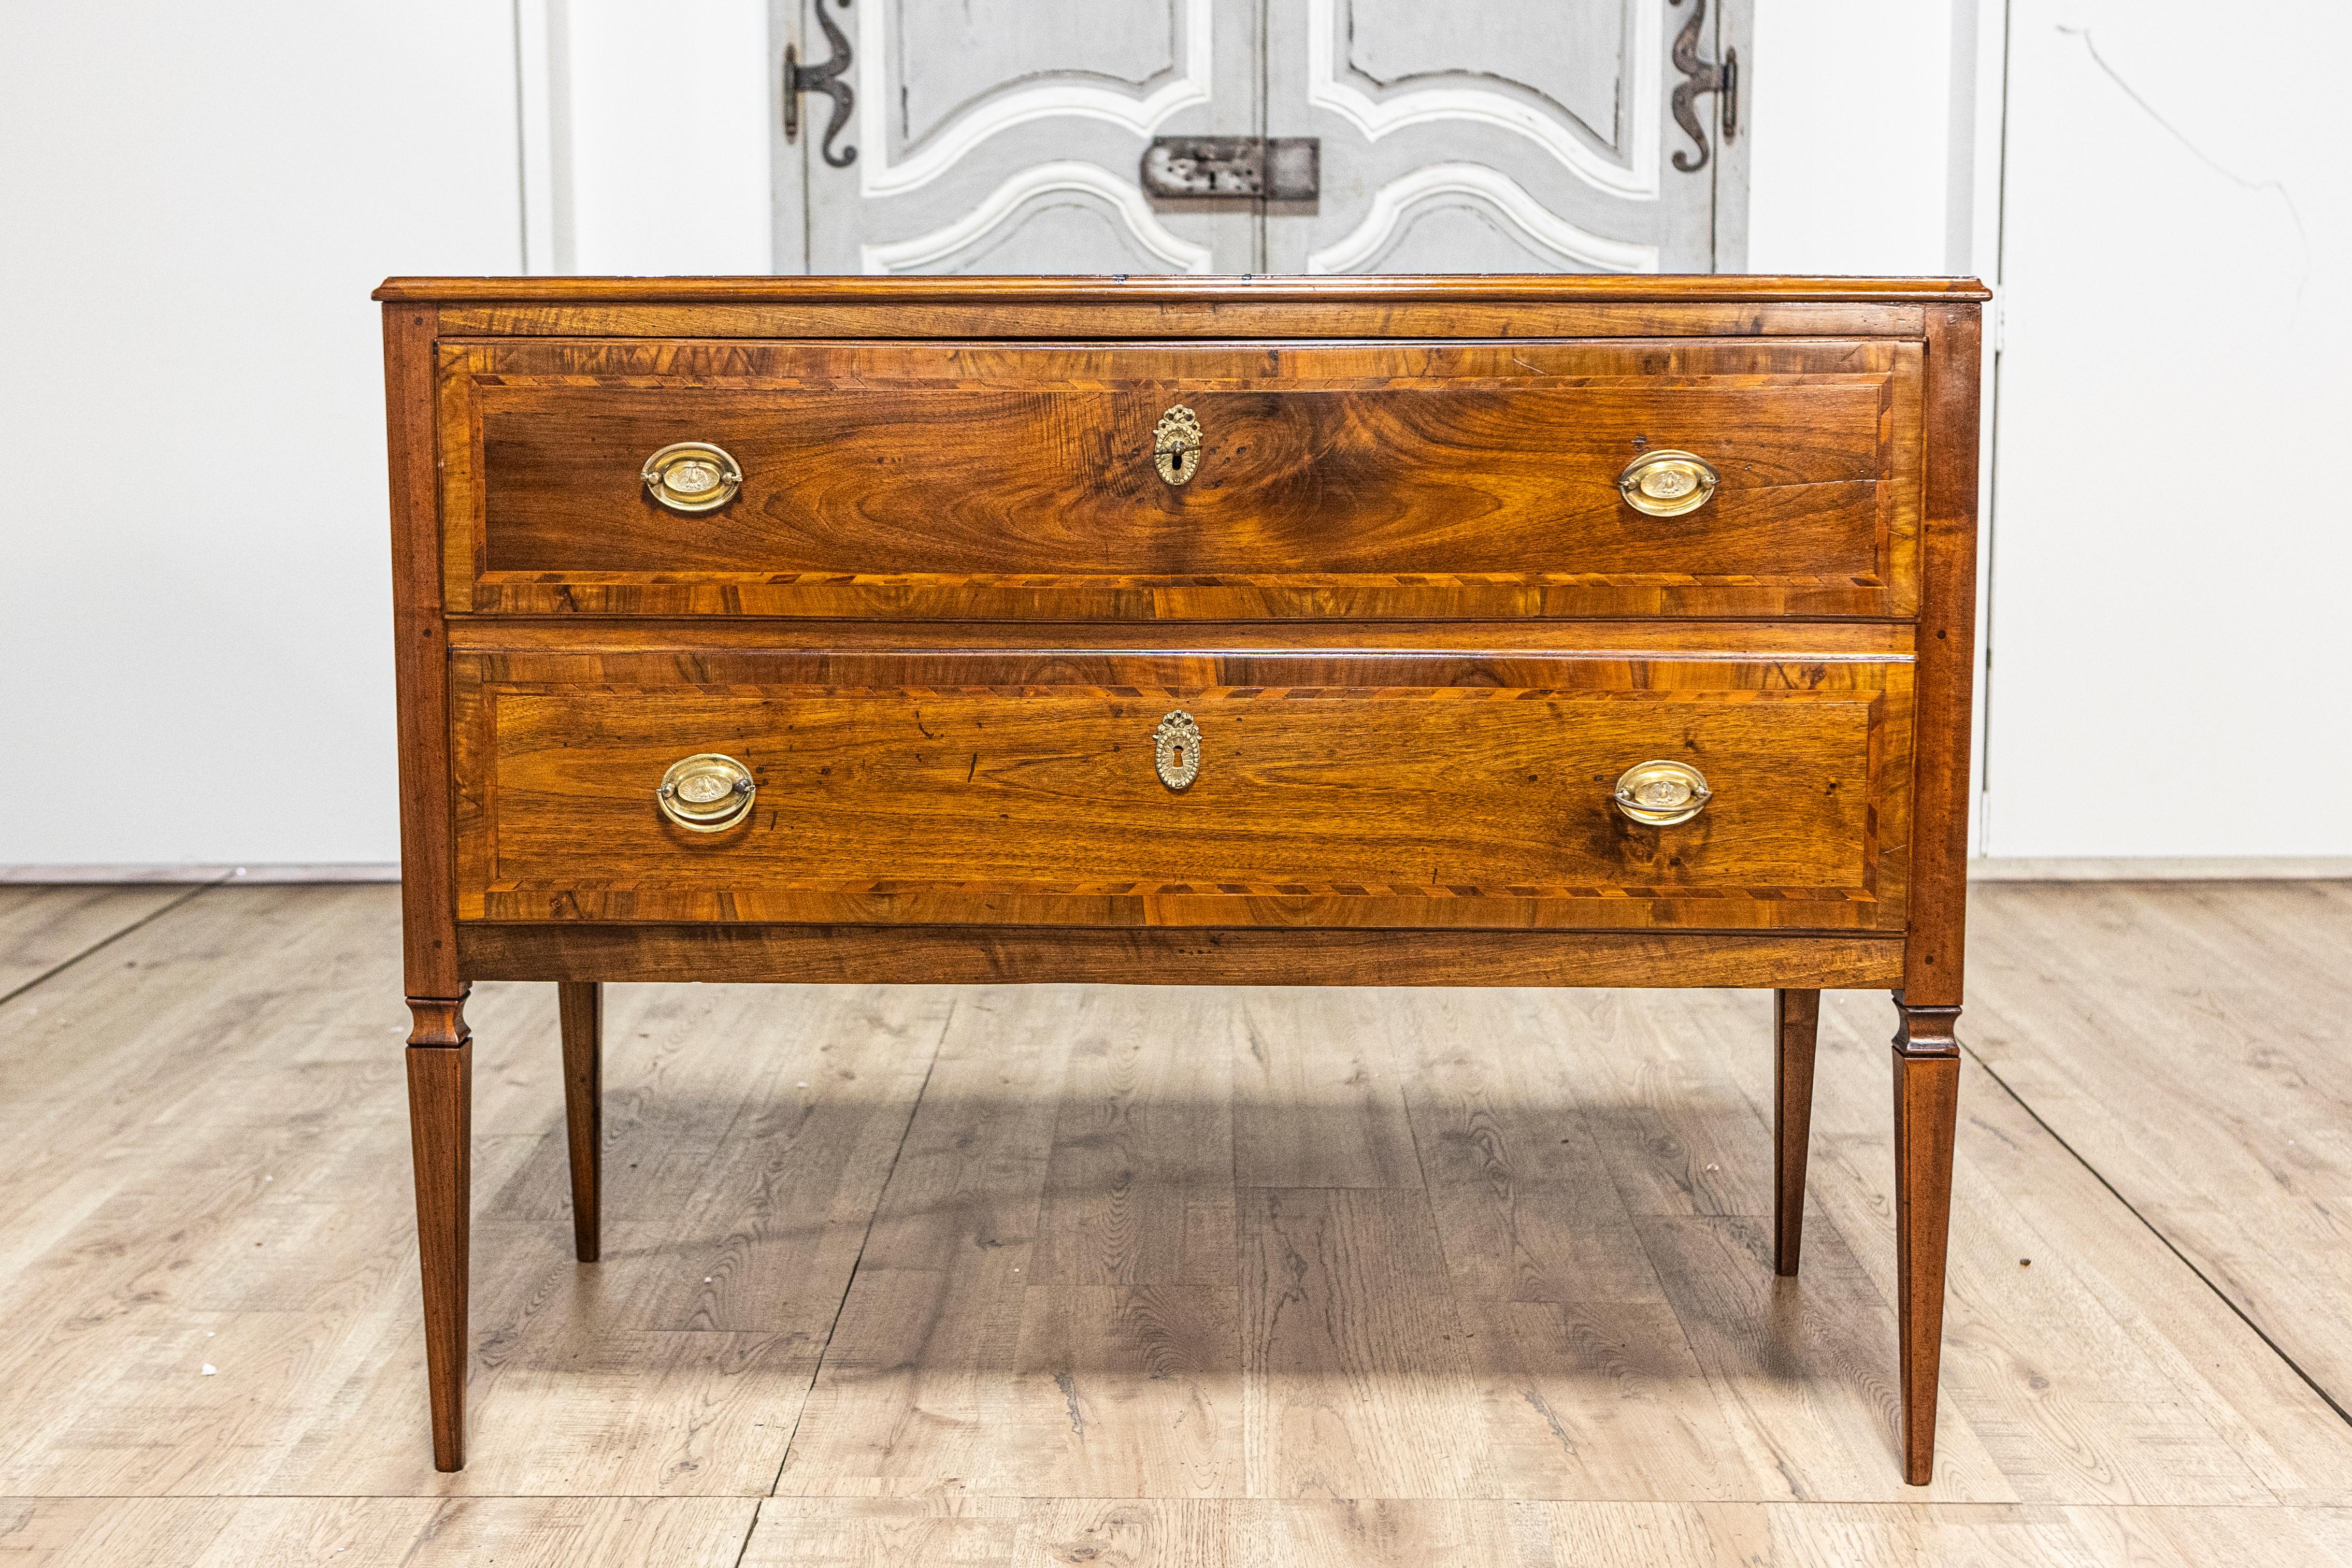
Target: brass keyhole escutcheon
1176, 445
1176, 750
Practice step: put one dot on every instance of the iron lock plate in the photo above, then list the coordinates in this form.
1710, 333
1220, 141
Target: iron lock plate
1274, 167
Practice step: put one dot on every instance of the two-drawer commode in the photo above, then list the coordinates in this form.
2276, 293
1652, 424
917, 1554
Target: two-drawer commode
1483, 631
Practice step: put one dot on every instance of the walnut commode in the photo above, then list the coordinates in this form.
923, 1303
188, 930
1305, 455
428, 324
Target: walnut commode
1399, 631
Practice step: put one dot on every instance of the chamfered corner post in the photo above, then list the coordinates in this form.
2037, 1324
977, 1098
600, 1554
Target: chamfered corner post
581, 1004
440, 1048
440, 1129
1796, 1026
1927, 1115
1926, 1054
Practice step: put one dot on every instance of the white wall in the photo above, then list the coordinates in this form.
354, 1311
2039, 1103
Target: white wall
1853, 130
2172, 535
194, 580
646, 132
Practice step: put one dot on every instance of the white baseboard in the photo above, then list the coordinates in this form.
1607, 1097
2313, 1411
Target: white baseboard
2159, 868
357, 872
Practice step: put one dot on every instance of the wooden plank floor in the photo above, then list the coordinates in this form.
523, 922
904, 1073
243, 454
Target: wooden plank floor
42, 927
1105, 1276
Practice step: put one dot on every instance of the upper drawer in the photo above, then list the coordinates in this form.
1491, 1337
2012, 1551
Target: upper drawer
1414, 480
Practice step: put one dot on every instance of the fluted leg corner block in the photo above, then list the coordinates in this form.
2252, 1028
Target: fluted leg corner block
440, 1127
1927, 1115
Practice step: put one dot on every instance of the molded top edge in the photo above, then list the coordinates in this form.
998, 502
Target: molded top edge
1529, 287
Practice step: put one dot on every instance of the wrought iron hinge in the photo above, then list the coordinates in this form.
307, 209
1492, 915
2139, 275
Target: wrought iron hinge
1277, 168
1703, 75
825, 78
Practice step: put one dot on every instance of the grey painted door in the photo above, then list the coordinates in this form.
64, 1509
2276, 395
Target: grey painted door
1005, 136
1507, 136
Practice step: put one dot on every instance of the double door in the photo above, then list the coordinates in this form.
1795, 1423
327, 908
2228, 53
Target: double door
1008, 136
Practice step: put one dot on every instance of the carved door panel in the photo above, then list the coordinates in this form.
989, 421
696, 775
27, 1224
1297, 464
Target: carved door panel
1508, 136
1006, 136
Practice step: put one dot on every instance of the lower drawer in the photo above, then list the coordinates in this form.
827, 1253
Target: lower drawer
1025, 788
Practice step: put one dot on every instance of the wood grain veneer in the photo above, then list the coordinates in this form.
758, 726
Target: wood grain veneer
1015, 787
941, 478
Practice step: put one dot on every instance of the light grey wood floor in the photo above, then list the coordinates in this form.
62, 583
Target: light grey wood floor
1106, 1276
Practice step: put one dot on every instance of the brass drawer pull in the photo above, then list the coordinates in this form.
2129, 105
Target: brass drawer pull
692, 477
1176, 750
1667, 483
707, 793
1176, 445
1660, 794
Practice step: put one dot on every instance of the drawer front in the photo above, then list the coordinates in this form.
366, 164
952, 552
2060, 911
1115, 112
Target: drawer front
1004, 481
1025, 788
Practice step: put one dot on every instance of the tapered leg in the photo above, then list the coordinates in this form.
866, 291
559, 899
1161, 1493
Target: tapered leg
440, 1130
1796, 1024
1927, 1112
581, 1005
